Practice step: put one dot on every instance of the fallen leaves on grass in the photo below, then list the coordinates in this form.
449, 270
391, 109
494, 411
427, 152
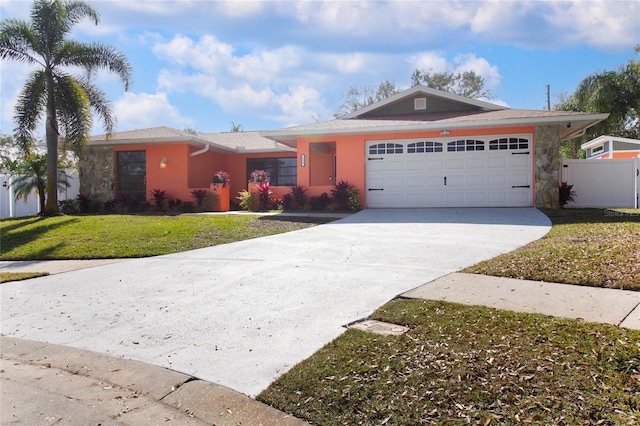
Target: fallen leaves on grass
585, 248
461, 365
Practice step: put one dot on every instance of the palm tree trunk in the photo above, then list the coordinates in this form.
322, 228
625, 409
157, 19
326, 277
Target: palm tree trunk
51, 207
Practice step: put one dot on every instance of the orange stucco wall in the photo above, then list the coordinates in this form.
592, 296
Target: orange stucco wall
350, 154
626, 154
183, 173
616, 154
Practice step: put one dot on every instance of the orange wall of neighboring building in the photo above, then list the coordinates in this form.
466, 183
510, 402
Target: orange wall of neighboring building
626, 154
351, 155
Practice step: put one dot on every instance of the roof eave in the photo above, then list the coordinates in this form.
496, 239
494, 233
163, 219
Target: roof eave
194, 141
290, 139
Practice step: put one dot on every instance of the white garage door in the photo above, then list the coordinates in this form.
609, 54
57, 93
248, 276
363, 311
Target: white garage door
470, 172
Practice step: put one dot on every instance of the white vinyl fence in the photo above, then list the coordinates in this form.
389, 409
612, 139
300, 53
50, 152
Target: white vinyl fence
603, 183
10, 207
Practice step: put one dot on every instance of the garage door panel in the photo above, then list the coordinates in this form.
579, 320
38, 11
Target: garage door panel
519, 161
476, 163
455, 163
476, 181
414, 165
395, 166
437, 164
490, 178
497, 162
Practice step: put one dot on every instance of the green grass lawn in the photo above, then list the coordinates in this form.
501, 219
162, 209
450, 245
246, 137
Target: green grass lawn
5, 277
123, 236
468, 365
592, 247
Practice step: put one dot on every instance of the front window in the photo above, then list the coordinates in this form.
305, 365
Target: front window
132, 175
281, 171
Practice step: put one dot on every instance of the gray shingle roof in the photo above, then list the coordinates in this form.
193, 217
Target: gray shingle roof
222, 142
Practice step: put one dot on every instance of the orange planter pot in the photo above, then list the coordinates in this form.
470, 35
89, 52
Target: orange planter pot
223, 201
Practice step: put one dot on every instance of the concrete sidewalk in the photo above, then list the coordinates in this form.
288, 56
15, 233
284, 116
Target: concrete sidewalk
592, 304
41, 383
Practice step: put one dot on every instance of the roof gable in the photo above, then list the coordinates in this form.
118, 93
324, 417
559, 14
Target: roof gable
421, 100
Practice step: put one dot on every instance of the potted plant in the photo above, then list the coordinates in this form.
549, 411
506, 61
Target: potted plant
222, 177
258, 176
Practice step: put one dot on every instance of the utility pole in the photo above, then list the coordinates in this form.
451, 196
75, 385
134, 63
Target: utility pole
549, 97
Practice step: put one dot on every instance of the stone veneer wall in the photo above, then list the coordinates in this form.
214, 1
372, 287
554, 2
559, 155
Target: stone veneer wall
547, 173
97, 173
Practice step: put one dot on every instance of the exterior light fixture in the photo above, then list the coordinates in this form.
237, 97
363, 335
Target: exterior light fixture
302, 160
163, 163
445, 132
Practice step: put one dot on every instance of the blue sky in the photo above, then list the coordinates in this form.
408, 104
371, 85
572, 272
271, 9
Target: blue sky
271, 64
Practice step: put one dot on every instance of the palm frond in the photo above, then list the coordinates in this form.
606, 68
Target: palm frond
30, 106
17, 41
95, 56
74, 112
99, 104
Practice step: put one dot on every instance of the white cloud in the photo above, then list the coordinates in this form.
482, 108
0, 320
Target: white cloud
436, 62
604, 24
271, 84
142, 110
482, 67
429, 61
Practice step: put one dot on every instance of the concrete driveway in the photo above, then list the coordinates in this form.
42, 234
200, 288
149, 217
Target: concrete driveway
242, 314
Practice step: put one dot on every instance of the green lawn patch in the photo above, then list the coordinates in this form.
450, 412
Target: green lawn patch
123, 236
592, 247
5, 277
468, 365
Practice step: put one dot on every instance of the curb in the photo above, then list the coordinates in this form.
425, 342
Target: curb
159, 395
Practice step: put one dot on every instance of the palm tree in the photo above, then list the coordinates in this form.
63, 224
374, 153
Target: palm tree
31, 174
66, 101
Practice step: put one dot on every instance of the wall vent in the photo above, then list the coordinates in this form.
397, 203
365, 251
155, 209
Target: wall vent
420, 104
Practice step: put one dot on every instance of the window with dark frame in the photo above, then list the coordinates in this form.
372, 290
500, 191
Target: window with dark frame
132, 175
282, 171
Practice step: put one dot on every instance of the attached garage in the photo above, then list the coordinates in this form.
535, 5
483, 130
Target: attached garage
470, 172
427, 148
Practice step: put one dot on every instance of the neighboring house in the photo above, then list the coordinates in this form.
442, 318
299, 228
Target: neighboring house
607, 147
419, 148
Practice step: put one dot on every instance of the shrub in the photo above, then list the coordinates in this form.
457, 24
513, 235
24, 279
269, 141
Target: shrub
175, 205
320, 202
188, 207
248, 201
84, 203
295, 199
566, 193
354, 199
69, 206
159, 196
340, 194
199, 195
287, 202
264, 191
